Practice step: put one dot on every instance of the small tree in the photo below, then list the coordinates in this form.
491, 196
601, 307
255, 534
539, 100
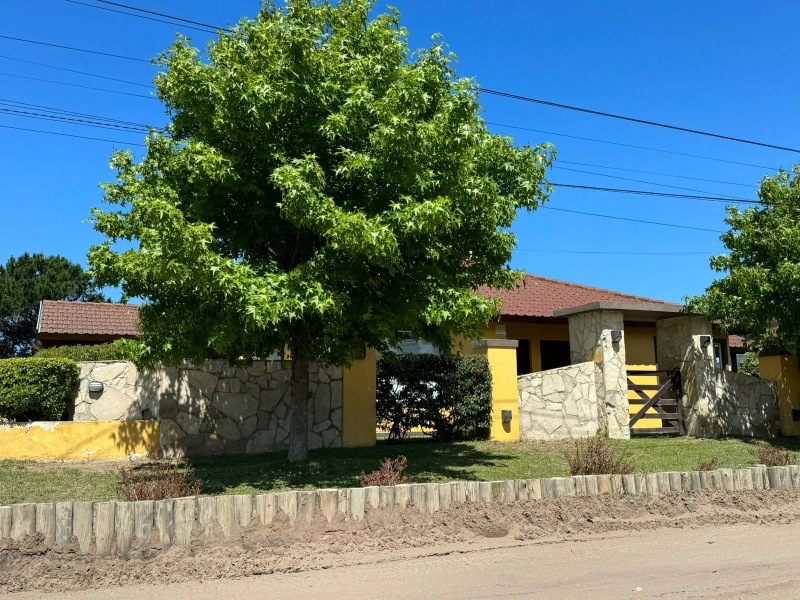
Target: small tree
24, 283
319, 188
761, 285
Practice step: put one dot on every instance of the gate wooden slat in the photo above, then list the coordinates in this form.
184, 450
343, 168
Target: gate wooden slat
652, 408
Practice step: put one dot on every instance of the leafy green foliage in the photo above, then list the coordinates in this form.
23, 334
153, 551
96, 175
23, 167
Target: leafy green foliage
36, 388
319, 187
24, 283
117, 350
449, 397
750, 365
761, 285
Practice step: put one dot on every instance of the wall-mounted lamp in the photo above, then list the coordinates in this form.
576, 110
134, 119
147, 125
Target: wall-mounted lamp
705, 341
500, 331
95, 386
616, 336
505, 416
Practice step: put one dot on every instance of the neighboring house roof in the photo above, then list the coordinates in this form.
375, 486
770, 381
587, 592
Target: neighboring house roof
735, 341
540, 297
86, 320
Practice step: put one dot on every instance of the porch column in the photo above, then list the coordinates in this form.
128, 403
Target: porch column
686, 343
502, 357
599, 336
785, 372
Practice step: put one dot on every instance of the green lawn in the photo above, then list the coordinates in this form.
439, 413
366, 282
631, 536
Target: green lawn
427, 461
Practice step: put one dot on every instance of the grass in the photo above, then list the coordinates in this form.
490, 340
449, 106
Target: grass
428, 461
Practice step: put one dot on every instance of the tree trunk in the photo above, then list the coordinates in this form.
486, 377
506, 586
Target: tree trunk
298, 429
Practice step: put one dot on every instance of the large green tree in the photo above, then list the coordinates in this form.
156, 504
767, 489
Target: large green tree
761, 282
24, 283
319, 188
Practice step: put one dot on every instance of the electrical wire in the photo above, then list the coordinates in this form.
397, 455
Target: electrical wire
16, 39
83, 137
569, 162
661, 194
550, 250
71, 120
635, 120
86, 87
139, 16
588, 214
30, 62
29, 105
150, 12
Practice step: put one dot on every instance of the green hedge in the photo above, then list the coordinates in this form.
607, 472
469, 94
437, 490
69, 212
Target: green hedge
36, 388
80, 353
449, 397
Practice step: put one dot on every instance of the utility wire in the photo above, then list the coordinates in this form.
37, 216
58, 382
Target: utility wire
634, 120
28, 106
16, 39
87, 87
661, 194
83, 137
140, 16
71, 120
578, 212
30, 62
568, 162
577, 137
550, 250
674, 187
150, 12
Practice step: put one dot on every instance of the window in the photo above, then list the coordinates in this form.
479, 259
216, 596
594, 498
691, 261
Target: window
721, 354
555, 354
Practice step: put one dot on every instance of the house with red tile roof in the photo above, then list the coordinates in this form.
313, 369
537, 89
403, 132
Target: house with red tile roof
63, 323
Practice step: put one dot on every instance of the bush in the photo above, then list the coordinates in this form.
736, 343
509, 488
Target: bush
36, 388
392, 472
158, 480
711, 464
773, 456
750, 365
449, 397
595, 456
117, 350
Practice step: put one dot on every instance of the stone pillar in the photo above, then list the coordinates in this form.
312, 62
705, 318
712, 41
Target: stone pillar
358, 409
785, 372
679, 345
502, 356
591, 340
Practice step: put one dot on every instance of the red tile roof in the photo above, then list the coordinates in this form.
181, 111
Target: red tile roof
540, 296
736, 341
88, 318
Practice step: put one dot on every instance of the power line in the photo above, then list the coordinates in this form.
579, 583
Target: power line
83, 137
568, 162
150, 12
675, 187
28, 105
578, 212
661, 194
86, 87
577, 137
550, 250
634, 120
16, 39
71, 120
139, 16
30, 62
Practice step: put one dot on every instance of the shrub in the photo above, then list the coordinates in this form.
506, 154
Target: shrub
36, 388
750, 365
773, 456
392, 472
117, 350
449, 397
595, 456
711, 464
158, 480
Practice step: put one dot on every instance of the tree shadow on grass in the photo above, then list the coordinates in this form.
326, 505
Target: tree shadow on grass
342, 467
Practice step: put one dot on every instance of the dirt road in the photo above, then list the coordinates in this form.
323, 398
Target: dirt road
737, 561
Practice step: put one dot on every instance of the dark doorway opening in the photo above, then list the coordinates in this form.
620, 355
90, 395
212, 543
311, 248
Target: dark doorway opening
523, 357
555, 354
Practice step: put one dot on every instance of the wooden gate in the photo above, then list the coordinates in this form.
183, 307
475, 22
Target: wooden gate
660, 401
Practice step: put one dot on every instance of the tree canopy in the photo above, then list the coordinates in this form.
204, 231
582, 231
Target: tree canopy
320, 187
24, 283
761, 286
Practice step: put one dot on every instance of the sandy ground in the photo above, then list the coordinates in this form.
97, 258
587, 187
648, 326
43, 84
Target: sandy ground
701, 545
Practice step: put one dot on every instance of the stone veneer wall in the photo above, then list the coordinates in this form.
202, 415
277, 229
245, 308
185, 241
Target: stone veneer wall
213, 408
716, 402
590, 340
559, 403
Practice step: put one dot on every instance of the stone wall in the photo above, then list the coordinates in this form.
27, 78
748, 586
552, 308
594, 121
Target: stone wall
716, 402
559, 403
213, 408
590, 340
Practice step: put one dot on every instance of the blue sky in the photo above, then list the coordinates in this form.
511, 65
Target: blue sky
724, 67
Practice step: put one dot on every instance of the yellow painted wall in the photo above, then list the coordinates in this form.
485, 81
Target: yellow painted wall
98, 440
783, 370
358, 410
535, 332
640, 355
505, 393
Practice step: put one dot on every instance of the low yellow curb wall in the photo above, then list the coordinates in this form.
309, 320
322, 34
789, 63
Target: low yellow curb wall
98, 440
